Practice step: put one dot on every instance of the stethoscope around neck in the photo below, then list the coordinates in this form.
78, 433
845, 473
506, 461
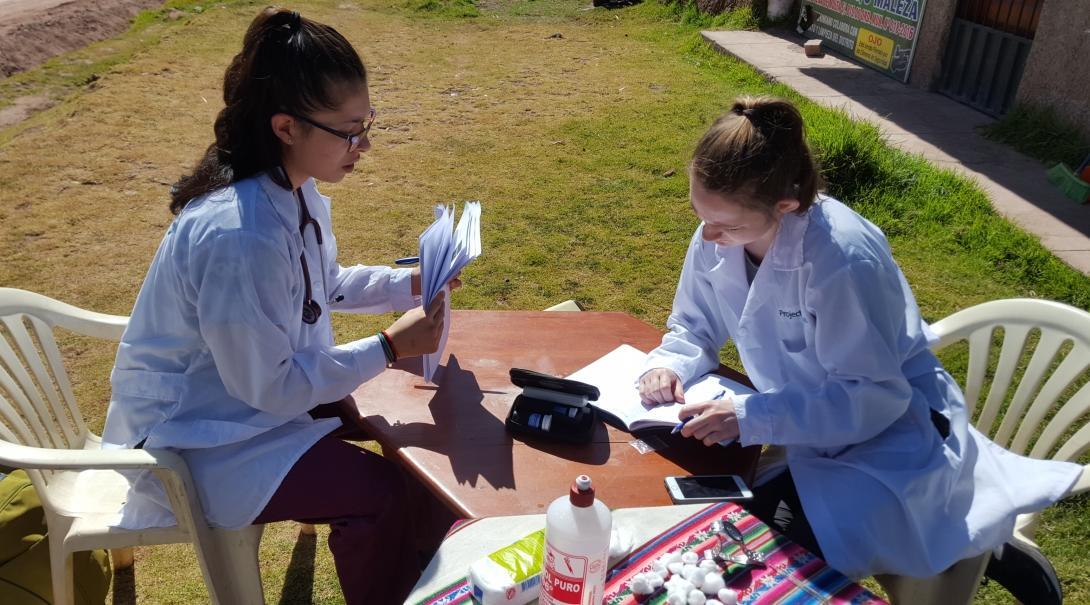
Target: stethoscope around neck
311, 309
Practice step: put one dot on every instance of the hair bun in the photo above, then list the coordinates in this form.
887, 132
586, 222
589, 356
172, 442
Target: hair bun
283, 24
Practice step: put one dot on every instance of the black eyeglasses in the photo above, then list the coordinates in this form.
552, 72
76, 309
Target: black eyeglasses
354, 140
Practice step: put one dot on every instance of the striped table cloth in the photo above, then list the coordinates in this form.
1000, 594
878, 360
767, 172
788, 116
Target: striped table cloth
792, 575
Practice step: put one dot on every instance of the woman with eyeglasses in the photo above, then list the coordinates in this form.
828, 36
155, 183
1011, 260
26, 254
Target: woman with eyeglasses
230, 344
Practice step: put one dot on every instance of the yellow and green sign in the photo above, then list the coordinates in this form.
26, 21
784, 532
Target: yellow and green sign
879, 33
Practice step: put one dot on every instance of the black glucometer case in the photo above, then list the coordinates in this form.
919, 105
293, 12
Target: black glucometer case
552, 408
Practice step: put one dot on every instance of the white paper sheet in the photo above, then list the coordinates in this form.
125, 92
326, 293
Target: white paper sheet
445, 251
616, 375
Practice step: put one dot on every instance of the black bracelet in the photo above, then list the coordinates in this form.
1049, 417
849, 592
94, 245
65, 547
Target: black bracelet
386, 349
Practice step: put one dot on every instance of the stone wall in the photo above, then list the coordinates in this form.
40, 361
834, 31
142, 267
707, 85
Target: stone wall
938, 16
1057, 73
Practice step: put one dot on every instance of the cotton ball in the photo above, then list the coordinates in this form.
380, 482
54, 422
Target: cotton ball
697, 598
690, 558
728, 596
641, 585
655, 580
688, 571
674, 583
713, 583
674, 557
675, 567
659, 568
676, 599
712, 602
685, 587
708, 565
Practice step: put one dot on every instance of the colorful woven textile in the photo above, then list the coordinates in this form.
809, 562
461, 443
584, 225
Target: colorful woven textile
792, 575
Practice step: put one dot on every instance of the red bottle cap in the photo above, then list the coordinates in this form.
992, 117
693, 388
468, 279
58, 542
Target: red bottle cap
582, 493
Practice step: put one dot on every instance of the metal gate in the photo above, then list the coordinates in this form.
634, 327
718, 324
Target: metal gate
987, 50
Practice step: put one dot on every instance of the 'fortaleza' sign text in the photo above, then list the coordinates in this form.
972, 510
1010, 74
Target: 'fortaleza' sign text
880, 33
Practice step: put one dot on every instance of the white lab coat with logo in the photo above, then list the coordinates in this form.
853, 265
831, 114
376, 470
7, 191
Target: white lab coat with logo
216, 362
830, 335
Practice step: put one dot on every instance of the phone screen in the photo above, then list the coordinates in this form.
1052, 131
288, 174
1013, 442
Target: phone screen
709, 486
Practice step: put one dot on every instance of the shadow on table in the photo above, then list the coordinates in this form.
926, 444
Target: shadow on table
700, 459
596, 451
456, 405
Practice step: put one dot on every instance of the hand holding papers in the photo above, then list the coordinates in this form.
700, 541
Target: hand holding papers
444, 252
616, 375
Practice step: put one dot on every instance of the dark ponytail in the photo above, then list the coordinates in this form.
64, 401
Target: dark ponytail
759, 148
288, 64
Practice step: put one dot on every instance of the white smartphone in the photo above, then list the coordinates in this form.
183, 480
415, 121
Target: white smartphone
707, 488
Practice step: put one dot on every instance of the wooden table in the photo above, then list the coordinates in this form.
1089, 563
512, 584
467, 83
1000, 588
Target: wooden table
453, 438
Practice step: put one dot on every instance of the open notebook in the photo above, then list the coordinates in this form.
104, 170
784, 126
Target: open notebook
616, 376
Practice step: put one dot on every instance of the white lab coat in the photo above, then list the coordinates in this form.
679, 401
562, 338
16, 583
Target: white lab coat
216, 362
830, 335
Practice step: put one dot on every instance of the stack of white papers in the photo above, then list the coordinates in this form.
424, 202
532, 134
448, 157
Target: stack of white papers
444, 251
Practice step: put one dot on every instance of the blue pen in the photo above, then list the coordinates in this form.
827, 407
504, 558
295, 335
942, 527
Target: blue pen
682, 424
408, 260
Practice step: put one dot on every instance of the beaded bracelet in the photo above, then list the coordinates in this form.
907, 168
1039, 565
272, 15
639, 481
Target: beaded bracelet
387, 349
393, 349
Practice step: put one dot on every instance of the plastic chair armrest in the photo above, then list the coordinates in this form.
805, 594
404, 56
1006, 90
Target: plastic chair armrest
57, 313
21, 456
92, 323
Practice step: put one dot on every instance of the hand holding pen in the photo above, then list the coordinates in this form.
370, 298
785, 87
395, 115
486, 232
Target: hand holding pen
712, 418
718, 396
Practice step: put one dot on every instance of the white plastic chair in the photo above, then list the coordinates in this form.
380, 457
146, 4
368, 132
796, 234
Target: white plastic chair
1026, 416
43, 431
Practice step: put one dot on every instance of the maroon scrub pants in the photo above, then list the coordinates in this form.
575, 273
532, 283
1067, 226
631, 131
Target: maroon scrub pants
384, 525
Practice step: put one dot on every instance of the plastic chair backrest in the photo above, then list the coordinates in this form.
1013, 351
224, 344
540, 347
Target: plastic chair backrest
1049, 373
39, 416
1038, 329
37, 405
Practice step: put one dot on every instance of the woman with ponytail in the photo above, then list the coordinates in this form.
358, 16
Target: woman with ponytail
229, 357
883, 474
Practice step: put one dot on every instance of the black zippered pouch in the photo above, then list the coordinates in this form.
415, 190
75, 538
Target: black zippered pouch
552, 408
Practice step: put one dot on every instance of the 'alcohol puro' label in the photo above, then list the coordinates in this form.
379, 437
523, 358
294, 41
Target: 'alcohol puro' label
563, 578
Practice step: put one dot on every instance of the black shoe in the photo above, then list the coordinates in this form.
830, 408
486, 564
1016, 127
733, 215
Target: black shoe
1026, 573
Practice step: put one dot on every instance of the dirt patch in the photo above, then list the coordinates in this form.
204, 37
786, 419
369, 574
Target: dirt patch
22, 108
32, 31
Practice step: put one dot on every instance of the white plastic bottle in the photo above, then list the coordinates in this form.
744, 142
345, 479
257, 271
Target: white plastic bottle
577, 529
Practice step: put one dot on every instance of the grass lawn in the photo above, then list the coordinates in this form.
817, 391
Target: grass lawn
573, 126
1041, 134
